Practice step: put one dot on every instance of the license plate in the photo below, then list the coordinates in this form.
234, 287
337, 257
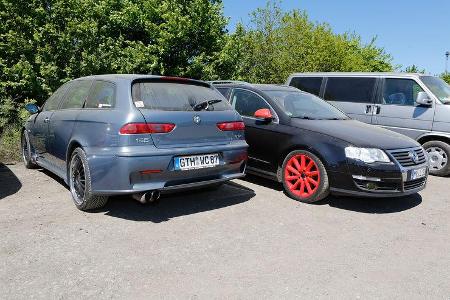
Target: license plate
196, 162
419, 173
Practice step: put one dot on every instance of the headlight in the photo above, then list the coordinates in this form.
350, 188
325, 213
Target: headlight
367, 155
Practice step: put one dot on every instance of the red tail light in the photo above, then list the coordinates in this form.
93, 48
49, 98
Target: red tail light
231, 126
146, 128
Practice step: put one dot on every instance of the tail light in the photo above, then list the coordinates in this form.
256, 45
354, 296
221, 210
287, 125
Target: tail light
146, 128
231, 126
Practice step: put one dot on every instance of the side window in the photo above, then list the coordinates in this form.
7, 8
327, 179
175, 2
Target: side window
400, 91
350, 89
52, 103
247, 103
76, 95
102, 95
307, 84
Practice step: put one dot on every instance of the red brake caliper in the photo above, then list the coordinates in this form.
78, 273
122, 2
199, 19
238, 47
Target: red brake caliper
302, 175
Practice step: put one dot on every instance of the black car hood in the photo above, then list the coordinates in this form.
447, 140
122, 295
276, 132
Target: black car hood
357, 133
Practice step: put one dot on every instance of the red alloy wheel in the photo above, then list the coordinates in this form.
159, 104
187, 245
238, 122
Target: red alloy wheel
302, 175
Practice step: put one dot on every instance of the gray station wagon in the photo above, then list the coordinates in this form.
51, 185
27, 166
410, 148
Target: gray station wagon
135, 134
415, 105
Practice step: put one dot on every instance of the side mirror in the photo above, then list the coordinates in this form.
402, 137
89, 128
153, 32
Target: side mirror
424, 99
263, 114
32, 108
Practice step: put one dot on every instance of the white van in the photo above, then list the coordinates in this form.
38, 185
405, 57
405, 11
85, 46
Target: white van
415, 105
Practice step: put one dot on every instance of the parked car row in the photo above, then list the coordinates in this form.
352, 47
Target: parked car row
145, 135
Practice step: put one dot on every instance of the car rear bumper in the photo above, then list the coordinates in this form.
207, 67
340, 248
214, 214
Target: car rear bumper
128, 171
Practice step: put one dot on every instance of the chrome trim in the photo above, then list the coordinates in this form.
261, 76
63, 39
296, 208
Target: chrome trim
360, 177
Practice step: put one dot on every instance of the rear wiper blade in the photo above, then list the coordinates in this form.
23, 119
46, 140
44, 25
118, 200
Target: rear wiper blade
205, 104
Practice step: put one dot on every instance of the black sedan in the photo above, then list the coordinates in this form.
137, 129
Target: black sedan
313, 148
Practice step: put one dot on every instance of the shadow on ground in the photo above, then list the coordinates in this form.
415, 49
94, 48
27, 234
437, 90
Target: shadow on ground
9, 183
361, 205
179, 204
270, 184
373, 205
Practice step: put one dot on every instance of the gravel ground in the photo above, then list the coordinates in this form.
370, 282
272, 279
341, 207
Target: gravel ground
245, 240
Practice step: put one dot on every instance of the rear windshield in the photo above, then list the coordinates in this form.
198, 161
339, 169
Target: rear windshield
172, 96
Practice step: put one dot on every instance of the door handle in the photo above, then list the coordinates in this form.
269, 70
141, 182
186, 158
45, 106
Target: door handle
46, 120
377, 109
368, 109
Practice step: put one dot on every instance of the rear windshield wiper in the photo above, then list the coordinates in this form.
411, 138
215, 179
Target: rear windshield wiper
205, 104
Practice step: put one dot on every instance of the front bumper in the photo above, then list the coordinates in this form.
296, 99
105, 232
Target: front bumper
118, 170
377, 180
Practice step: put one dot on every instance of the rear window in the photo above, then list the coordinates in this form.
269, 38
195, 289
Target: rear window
307, 84
224, 91
173, 96
350, 89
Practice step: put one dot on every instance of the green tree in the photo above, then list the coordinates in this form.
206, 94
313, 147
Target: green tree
414, 69
44, 43
278, 43
446, 77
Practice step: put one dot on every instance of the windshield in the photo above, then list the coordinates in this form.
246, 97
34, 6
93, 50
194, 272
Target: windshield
306, 106
170, 96
439, 88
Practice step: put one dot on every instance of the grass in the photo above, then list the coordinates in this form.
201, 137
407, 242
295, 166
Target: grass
10, 144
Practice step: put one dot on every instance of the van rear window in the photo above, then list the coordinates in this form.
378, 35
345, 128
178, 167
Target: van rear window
307, 84
174, 96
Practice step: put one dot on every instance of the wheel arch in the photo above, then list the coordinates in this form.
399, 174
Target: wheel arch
72, 146
433, 137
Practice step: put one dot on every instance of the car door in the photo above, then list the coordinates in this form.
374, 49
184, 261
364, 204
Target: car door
63, 120
397, 108
260, 136
353, 95
39, 132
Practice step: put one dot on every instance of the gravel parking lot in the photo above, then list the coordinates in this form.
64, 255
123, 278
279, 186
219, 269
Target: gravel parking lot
245, 240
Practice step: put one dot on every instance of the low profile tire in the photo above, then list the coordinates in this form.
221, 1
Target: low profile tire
80, 183
439, 157
304, 177
26, 152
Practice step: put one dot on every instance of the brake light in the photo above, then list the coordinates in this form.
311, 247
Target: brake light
231, 126
146, 128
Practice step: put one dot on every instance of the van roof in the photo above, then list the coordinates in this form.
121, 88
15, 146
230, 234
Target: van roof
359, 74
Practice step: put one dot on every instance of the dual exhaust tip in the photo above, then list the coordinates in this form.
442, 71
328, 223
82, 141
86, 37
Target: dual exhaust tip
148, 197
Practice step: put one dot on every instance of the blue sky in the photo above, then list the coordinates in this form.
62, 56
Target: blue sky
413, 32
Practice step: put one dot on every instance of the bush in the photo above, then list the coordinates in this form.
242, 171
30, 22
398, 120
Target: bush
10, 144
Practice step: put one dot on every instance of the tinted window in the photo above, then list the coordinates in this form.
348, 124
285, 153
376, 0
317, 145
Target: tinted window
175, 96
400, 91
247, 103
102, 95
224, 91
307, 84
306, 106
76, 95
52, 103
359, 90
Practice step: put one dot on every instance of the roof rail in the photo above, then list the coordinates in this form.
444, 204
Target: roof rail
228, 82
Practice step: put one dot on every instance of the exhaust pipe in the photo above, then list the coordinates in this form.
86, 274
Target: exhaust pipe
148, 197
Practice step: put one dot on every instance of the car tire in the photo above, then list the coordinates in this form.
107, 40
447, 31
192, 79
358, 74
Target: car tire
304, 177
26, 152
439, 156
79, 173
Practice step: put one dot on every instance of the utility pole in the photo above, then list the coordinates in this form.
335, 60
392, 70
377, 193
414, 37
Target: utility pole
447, 54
